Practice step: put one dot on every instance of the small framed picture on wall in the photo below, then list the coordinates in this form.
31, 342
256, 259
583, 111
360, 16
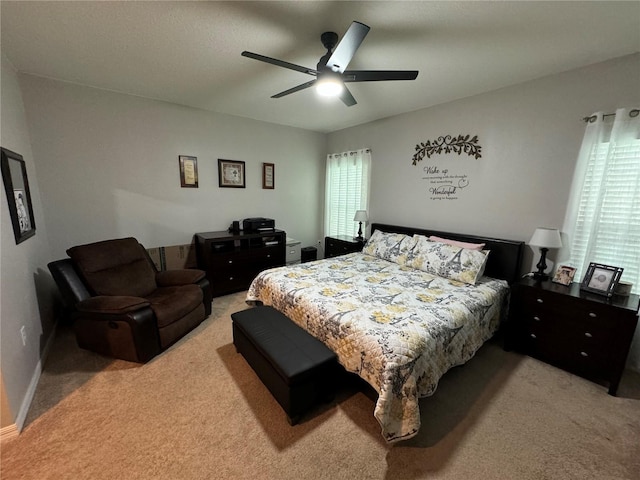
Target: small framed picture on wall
16, 185
188, 171
231, 173
268, 175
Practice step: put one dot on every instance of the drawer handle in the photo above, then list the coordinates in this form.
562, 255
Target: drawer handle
537, 319
533, 335
230, 261
588, 335
539, 300
584, 354
592, 315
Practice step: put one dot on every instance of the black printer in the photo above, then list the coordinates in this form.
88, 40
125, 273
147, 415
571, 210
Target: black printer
258, 224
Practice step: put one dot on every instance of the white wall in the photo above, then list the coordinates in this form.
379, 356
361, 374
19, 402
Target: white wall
108, 167
530, 136
26, 289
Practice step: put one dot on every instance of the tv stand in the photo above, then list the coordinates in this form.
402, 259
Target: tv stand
232, 260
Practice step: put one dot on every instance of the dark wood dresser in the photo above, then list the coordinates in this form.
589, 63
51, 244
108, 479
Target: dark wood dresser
341, 245
232, 261
583, 333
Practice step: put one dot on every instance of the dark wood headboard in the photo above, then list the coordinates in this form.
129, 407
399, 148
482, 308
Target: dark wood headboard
505, 259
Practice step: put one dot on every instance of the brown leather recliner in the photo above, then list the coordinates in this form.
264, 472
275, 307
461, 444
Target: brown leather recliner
121, 306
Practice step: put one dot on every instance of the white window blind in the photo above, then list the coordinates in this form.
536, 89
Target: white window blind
346, 190
606, 226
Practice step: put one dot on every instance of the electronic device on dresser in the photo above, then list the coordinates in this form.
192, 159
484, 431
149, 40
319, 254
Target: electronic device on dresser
258, 224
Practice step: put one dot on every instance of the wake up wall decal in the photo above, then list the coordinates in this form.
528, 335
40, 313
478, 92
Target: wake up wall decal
443, 183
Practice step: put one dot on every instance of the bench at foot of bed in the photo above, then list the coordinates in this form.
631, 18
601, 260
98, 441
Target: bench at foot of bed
295, 367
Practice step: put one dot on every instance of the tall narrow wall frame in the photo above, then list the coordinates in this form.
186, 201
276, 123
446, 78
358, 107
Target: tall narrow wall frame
16, 186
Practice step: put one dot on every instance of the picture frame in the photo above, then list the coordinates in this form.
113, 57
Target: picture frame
564, 275
188, 171
268, 176
16, 186
231, 173
601, 279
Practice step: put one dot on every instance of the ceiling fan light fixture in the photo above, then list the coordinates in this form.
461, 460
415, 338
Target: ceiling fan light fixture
329, 86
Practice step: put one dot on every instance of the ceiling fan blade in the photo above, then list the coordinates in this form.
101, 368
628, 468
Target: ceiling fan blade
280, 63
346, 49
347, 98
308, 84
378, 75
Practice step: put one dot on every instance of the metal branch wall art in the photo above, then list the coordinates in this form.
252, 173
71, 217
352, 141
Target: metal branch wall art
448, 144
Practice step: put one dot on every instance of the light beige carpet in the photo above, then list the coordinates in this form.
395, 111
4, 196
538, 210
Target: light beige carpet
199, 412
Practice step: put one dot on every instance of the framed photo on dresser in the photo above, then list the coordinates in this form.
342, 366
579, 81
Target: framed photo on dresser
601, 279
564, 275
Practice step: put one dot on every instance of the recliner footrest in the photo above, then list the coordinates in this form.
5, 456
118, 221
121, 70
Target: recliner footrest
292, 364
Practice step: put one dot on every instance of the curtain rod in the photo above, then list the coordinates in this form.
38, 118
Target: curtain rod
632, 113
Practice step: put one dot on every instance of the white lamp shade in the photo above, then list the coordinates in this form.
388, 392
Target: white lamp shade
361, 216
546, 238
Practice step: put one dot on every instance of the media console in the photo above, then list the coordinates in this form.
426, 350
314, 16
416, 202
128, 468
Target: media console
232, 260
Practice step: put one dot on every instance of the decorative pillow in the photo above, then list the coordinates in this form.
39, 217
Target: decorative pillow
389, 246
447, 261
456, 243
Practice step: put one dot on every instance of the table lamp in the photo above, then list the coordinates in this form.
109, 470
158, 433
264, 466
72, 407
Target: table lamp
360, 216
544, 238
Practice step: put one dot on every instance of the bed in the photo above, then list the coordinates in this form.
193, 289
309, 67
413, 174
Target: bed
401, 313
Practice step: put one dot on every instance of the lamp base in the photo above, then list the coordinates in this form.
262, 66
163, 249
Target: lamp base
542, 266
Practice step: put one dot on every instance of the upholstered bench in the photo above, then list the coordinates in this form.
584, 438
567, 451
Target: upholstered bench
294, 366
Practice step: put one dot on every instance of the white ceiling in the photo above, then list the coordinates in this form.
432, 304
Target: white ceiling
189, 52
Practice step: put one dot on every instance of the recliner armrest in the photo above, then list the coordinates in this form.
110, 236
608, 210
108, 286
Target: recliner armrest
115, 304
131, 336
170, 278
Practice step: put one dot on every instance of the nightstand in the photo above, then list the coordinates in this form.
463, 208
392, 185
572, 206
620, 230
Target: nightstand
340, 245
580, 332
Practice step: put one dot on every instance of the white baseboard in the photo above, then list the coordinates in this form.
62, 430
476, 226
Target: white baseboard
14, 430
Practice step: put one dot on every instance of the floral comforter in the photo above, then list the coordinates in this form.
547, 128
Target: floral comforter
398, 328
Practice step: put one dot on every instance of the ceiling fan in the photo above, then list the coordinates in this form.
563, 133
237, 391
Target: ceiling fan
331, 74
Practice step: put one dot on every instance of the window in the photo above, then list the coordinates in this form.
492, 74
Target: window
346, 190
604, 214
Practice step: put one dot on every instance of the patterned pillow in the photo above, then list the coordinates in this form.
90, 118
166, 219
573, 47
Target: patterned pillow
389, 246
447, 261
